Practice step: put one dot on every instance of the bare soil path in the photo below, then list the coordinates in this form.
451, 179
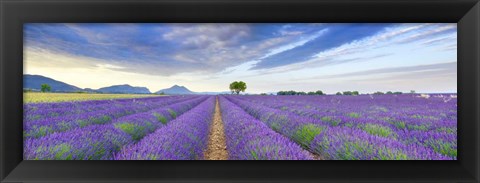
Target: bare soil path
217, 147
316, 156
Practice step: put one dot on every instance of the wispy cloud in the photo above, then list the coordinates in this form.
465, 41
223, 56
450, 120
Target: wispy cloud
201, 48
428, 32
452, 38
161, 49
190, 54
334, 36
215, 37
321, 62
441, 67
388, 37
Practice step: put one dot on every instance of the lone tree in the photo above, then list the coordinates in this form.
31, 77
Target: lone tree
238, 86
46, 88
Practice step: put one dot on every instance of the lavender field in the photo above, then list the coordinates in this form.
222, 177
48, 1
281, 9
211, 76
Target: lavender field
255, 127
240, 91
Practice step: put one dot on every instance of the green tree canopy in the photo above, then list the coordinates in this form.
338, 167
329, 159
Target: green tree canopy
319, 92
350, 93
238, 86
301, 93
347, 93
45, 88
292, 92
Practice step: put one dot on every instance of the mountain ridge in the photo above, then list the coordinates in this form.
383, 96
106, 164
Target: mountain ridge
175, 89
124, 88
34, 82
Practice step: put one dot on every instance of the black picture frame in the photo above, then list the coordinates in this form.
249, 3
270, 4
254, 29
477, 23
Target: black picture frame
16, 12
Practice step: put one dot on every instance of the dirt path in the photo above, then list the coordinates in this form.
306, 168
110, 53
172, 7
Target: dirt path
316, 156
217, 148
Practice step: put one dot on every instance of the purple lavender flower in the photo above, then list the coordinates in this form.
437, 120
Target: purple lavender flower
184, 138
406, 122
39, 128
250, 139
343, 143
97, 142
140, 124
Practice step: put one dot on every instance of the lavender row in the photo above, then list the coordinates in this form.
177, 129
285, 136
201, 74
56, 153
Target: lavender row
72, 104
312, 135
433, 113
293, 126
38, 111
250, 139
46, 113
343, 143
96, 142
415, 126
47, 110
41, 128
140, 124
184, 138
100, 142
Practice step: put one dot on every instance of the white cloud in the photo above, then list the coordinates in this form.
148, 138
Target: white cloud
113, 35
109, 66
211, 56
208, 36
429, 31
345, 53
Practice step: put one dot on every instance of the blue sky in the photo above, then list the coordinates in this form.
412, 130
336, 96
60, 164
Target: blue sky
268, 57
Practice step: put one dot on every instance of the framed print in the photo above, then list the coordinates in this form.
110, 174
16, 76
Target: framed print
152, 91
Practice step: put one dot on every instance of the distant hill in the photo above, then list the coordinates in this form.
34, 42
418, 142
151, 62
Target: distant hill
176, 90
124, 89
34, 82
